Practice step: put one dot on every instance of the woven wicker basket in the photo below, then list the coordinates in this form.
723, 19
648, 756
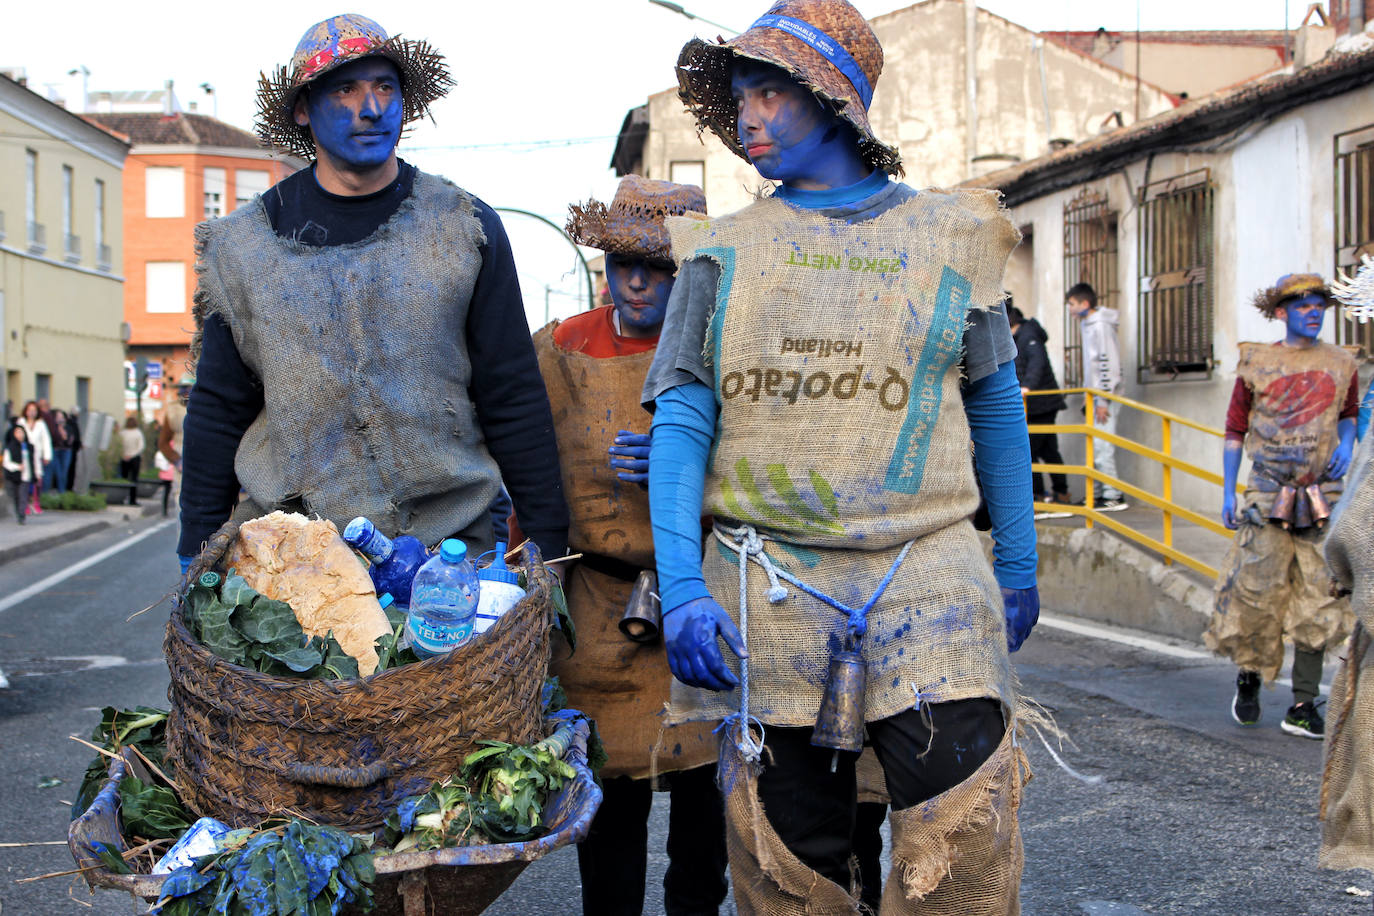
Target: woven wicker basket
247, 745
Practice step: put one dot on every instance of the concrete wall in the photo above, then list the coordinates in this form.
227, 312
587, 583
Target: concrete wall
1197, 69
1273, 215
61, 312
921, 105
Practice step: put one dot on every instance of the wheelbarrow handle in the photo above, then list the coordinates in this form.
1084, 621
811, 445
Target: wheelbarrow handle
343, 777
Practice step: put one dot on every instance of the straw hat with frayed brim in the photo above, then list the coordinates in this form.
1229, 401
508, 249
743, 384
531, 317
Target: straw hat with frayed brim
825, 45
329, 45
1288, 288
633, 223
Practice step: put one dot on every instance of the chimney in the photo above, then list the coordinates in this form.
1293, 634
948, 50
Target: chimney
168, 105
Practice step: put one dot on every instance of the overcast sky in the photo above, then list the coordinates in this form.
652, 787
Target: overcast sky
542, 85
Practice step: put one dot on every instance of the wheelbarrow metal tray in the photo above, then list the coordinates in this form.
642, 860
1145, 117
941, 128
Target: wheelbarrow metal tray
443, 882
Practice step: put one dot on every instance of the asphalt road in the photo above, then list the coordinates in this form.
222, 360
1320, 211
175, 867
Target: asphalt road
1192, 814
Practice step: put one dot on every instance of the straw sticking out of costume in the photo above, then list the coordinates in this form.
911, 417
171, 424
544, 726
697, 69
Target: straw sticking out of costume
1356, 293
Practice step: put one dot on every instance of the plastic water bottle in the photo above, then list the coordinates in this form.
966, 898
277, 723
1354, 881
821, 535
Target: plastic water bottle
394, 562
443, 601
500, 590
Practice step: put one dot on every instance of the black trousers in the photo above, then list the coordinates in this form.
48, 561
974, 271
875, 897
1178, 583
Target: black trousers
613, 858
1044, 448
128, 469
19, 492
814, 810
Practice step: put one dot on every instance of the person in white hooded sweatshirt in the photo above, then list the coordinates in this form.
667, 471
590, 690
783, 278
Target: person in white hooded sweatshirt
1101, 369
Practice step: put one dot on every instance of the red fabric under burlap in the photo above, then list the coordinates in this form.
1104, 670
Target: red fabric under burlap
958, 854
623, 685
593, 399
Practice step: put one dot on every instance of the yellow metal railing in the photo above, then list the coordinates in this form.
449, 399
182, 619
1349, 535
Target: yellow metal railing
1164, 545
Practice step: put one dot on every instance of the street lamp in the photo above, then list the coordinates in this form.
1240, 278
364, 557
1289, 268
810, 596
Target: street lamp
677, 8
586, 268
214, 99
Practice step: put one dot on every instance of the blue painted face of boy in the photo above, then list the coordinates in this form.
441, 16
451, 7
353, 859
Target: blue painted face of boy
788, 135
1303, 319
639, 291
355, 114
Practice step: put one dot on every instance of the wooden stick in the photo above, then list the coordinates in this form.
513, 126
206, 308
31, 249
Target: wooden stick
515, 551
563, 559
155, 768
95, 747
77, 871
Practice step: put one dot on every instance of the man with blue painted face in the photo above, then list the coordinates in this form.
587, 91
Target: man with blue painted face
828, 353
595, 364
1293, 411
361, 344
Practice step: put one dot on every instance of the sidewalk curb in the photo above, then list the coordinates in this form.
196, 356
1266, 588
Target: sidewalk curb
38, 545
1109, 581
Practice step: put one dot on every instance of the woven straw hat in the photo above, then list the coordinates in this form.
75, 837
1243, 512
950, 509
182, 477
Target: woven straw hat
826, 45
633, 224
1288, 287
330, 44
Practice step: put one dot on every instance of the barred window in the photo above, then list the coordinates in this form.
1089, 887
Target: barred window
1176, 314
1354, 222
1090, 249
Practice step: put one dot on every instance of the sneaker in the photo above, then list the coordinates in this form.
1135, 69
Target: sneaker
1041, 516
1065, 499
1304, 721
1112, 505
1245, 708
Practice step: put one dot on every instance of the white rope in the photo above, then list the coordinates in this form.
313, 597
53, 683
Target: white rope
749, 544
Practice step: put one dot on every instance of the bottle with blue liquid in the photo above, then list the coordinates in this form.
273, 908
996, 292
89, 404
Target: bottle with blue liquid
394, 562
443, 601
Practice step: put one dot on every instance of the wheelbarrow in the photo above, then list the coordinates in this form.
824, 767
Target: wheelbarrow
441, 882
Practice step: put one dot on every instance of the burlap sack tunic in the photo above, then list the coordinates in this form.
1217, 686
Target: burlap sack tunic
1274, 582
842, 435
621, 684
1347, 798
835, 349
363, 358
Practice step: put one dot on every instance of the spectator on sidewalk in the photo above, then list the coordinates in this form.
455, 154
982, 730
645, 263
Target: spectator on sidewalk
37, 431
1101, 370
19, 468
74, 437
1035, 373
131, 445
55, 474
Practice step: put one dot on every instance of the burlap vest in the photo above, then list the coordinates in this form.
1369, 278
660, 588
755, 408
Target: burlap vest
362, 354
592, 399
1297, 396
836, 352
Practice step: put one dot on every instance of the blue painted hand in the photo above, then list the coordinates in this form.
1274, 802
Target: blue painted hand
690, 633
630, 456
1022, 607
1228, 509
1340, 458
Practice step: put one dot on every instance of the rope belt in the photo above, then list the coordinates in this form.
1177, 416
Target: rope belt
749, 545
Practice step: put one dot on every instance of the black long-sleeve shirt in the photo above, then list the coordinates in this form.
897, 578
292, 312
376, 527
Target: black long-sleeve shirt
514, 414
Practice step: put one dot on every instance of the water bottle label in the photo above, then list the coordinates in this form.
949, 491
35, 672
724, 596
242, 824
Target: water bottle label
428, 638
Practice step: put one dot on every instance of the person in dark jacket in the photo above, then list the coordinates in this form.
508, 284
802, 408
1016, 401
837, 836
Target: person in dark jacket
1035, 373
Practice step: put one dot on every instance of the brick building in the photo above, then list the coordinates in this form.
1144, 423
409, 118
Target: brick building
183, 168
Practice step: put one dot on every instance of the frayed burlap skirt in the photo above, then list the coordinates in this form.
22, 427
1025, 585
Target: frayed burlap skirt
958, 853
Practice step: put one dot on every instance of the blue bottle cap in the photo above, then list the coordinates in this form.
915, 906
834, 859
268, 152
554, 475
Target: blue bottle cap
453, 550
498, 571
386, 600
358, 531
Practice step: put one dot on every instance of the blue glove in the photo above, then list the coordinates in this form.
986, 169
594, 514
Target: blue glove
1340, 458
1228, 509
1230, 464
690, 633
1022, 606
185, 563
631, 455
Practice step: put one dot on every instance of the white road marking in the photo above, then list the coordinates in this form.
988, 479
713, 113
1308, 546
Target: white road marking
1137, 641
1126, 639
42, 585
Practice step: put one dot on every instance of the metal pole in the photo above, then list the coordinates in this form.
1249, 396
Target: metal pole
591, 292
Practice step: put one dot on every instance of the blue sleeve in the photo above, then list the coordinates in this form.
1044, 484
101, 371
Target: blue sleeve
683, 429
1001, 453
